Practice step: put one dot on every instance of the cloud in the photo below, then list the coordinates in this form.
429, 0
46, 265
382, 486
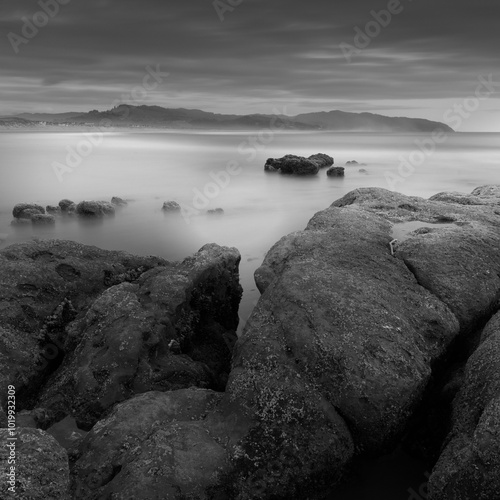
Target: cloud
264, 53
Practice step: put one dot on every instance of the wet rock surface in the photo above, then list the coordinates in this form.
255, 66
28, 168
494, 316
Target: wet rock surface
292, 165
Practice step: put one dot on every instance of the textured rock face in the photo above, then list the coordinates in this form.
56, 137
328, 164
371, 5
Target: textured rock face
67, 206
173, 327
42, 470
43, 220
95, 209
291, 164
42, 286
469, 466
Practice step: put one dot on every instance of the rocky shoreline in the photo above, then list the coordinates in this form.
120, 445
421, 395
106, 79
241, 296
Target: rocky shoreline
359, 344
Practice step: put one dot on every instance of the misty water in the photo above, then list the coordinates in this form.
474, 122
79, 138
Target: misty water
204, 171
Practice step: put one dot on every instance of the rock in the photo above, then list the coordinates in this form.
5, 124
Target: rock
352, 162
67, 206
3, 418
215, 211
291, 164
119, 202
52, 210
469, 466
43, 220
27, 210
485, 195
43, 285
171, 206
126, 337
41, 470
487, 191
95, 209
322, 160
335, 172
136, 451
363, 171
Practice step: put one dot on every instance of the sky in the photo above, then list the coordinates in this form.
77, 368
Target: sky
416, 58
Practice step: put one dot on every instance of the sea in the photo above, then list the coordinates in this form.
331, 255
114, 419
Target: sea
208, 170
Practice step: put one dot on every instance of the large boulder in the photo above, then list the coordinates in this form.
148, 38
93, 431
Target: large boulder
95, 209
173, 327
171, 207
322, 160
44, 285
27, 210
335, 172
67, 206
291, 164
41, 466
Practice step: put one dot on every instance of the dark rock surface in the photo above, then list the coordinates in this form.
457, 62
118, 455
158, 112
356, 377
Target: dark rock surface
292, 165
322, 160
215, 211
95, 209
336, 172
119, 202
171, 328
53, 210
42, 469
469, 467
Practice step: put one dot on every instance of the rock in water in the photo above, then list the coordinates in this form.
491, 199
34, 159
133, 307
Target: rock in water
171, 206
336, 172
322, 160
52, 210
67, 206
95, 209
43, 220
291, 164
27, 210
119, 202
41, 467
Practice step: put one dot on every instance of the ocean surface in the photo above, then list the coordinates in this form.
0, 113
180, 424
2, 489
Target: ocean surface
204, 171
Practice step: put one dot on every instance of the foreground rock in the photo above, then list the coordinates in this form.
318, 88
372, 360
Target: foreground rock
41, 469
95, 209
292, 165
42, 287
469, 467
172, 327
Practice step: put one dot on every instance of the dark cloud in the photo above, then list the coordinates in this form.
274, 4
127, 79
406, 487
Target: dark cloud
265, 53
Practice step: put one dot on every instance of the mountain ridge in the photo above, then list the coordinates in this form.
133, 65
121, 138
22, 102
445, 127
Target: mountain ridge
126, 115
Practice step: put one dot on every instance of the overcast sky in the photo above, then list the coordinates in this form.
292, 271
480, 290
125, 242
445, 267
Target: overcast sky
263, 56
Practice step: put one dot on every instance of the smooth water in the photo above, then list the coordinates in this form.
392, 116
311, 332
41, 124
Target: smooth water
209, 170
149, 168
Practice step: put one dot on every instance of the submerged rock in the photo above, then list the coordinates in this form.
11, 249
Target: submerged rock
291, 164
43, 220
41, 467
27, 210
215, 211
336, 172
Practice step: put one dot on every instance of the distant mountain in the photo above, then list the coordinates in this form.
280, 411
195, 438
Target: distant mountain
155, 116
